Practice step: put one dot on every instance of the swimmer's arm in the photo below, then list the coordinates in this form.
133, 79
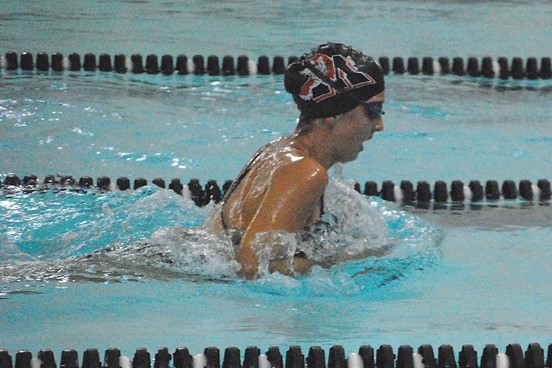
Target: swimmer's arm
292, 198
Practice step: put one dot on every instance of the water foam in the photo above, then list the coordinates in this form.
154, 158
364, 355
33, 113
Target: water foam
368, 243
156, 234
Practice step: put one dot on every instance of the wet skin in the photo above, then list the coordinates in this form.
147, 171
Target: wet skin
283, 189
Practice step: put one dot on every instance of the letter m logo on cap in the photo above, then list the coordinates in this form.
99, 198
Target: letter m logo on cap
342, 71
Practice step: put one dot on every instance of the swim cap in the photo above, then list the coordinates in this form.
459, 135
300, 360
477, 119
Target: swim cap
332, 80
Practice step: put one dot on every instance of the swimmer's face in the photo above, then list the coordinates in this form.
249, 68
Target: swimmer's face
358, 126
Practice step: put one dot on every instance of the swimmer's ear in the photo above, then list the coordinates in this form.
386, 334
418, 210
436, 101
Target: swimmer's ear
330, 121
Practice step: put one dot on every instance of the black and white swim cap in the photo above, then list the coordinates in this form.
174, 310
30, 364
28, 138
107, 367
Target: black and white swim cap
332, 80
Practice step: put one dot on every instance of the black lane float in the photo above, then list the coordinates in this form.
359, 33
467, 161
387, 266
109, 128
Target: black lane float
404, 193
516, 68
365, 357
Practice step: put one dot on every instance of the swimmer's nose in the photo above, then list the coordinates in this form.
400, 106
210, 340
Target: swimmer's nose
378, 127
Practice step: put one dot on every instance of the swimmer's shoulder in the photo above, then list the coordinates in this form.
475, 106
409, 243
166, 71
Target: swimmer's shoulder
282, 157
303, 170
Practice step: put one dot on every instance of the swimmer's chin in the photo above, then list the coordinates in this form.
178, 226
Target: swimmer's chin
353, 157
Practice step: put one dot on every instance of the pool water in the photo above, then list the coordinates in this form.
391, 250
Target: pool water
82, 269
103, 124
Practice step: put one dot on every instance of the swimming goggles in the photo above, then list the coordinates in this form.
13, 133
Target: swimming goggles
373, 110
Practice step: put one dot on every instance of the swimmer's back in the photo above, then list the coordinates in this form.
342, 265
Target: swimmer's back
267, 185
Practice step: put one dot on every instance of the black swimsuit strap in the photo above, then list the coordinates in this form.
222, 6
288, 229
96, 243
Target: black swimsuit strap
246, 169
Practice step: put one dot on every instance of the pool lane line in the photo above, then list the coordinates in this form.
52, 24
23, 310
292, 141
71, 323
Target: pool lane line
486, 67
365, 357
404, 193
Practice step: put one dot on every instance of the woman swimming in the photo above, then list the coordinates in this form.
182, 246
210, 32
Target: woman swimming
340, 94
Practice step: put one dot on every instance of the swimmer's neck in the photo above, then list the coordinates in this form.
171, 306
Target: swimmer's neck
315, 146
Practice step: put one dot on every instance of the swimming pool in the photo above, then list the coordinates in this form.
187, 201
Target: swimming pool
471, 274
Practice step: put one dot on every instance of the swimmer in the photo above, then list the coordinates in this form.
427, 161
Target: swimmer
340, 94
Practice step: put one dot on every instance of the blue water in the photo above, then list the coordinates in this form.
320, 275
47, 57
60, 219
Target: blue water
49, 235
390, 28
186, 127
472, 275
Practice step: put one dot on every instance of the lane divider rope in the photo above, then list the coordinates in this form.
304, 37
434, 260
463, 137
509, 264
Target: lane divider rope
365, 357
404, 193
487, 67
